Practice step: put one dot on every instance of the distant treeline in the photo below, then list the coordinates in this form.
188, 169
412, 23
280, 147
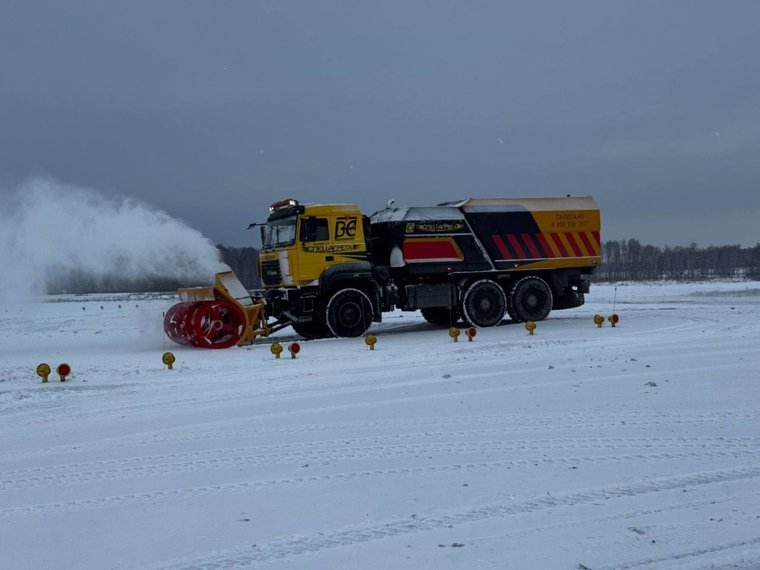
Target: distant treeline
629, 260
622, 260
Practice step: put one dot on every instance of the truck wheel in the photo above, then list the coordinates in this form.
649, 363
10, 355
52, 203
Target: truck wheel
312, 330
484, 303
441, 316
349, 313
530, 300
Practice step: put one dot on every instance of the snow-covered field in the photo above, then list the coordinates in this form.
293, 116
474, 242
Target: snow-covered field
632, 447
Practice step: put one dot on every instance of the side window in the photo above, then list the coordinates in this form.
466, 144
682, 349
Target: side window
315, 229
323, 232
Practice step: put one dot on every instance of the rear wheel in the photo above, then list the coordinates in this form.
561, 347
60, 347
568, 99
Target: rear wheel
349, 313
530, 300
441, 316
484, 303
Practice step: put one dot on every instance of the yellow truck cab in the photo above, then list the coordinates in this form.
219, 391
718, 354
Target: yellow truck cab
307, 250
300, 242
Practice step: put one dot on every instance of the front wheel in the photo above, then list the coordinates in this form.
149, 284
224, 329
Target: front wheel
349, 313
530, 300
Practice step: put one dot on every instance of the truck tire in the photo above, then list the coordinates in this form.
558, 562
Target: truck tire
349, 313
441, 316
530, 300
484, 303
312, 330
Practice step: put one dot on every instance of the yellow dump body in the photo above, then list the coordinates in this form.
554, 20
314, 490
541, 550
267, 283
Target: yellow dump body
537, 233
494, 234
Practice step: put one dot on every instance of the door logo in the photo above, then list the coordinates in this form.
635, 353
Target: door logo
345, 228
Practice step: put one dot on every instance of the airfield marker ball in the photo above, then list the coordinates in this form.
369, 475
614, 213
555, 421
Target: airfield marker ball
168, 359
63, 370
43, 371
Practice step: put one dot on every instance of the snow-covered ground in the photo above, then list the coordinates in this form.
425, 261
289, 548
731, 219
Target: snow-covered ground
629, 447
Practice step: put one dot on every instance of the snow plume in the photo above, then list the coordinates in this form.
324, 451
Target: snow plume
54, 235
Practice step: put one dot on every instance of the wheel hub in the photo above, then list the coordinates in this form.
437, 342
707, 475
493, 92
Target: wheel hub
350, 314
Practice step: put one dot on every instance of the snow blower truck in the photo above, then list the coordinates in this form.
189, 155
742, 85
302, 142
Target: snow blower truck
328, 270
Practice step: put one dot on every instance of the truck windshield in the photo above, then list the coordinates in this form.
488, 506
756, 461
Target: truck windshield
278, 233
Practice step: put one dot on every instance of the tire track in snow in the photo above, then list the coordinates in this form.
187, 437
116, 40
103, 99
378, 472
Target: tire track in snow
511, 424
217, 459
647, 511
247, 556
697, 552
243, 487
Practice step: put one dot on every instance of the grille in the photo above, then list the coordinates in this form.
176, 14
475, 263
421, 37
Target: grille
270, 272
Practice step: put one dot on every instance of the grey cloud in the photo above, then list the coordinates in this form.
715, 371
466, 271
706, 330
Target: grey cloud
213, 110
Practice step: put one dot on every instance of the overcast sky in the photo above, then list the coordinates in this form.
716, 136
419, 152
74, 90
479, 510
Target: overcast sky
213, 110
